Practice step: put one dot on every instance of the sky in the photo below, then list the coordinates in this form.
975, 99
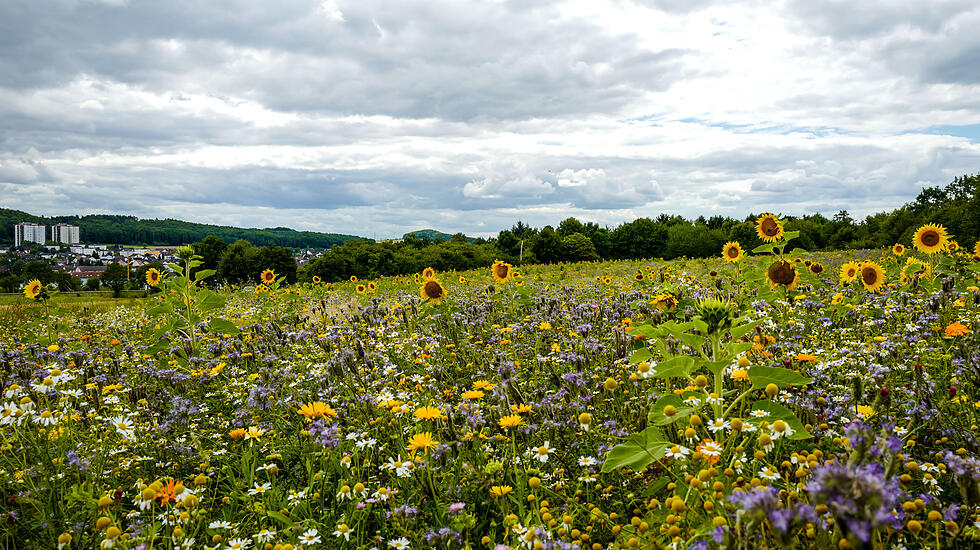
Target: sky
376, 118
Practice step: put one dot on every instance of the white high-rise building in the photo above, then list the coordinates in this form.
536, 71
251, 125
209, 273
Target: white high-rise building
29, 232
65, 233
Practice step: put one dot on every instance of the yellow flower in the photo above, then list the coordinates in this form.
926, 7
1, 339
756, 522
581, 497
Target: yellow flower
898, 250
511, 421
428, 273
872, 276
253, 433
268, 277
423, 441
33, 288
781, 273
428, 413
482, 385
472, 394
957, 329
317, 409
732, 252
361, 289
865, 411
930, 238
545, 325
152, 276
501, 271
501, 490
769, 228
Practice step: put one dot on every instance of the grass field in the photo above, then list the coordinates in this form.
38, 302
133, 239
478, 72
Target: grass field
636, 404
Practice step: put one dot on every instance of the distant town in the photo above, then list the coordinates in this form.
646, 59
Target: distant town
79, 266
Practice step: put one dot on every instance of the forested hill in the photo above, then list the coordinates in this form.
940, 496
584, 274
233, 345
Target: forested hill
109, 229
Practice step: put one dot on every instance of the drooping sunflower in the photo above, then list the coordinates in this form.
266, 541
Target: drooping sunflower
930, 238
781, 273
33, 288
816, 268
432, 291
849, 272
898, 249
501, 271
152, 276
872, 276
769, 228
268, 277
428, 273
915, 268
732, 251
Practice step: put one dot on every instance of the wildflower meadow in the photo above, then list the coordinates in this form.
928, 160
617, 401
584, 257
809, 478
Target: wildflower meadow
766, 398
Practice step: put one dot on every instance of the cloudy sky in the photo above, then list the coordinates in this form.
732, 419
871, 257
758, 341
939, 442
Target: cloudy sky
376, 118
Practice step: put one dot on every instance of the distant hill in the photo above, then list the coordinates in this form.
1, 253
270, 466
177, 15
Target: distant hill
432, 235
130, 230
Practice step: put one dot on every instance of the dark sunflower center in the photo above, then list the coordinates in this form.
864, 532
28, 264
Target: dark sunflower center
869, 276
432, 289
816, 268
930, 238
770, 227
851, 272
733, 252
501, 271
782, 273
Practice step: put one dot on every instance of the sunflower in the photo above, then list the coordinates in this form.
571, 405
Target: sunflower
316, 279
353, 278
816, 268
268, 277
930, 238
372, 287
781, 273
638, 276
872, 276
849, 272
428, 273
361, 289
915, 268
433, 291
898, 249
33, 288
501, 271
664, 302
976, 250
732, 252
952, 246
152, 276
769, 228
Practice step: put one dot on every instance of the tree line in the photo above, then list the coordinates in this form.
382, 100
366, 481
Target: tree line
956, 206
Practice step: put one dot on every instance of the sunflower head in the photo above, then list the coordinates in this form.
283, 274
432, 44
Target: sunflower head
849, 272
781, 273
769, 228
316, 279
501, 271
915, 268
898, 249
638, 276
33, 289
976, 249
428, 273
952, 246
268, 277
732, 252
872, 276
361, 289
930, 238
717, 314
816, 268
432, 291
372, 287
152, 276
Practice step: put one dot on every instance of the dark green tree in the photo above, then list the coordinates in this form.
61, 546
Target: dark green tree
115, 277
237, 263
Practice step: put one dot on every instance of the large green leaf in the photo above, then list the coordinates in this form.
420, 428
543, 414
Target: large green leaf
741, 330
223, 326
675, 367
638, 451
779, 412
203, 274
656, 414
640, 355
207, 300
764, 248
763, 376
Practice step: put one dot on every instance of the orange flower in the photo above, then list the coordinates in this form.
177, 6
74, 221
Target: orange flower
170, 491
957, 329
806, 357
237, 433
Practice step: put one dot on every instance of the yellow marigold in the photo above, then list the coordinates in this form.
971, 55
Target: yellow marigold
511, 421
957, 329
422, 442
317, 409
428, 413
